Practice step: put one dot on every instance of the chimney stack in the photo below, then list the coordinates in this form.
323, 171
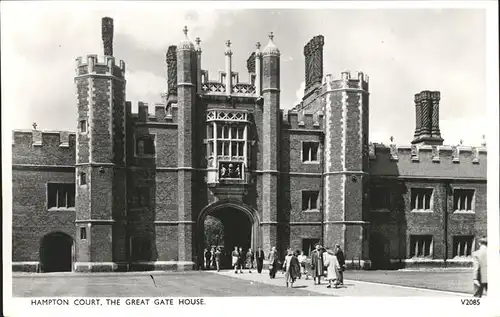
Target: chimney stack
171, 59
427, 118
107, 36
313, 53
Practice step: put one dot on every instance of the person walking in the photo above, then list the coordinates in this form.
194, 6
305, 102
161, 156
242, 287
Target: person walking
332, 268
218, 256
208, 256
302, 262
259, 257
317, 265
234, 257
480, 269
273, 262
213, 264
241, 259
291, 268
341, 258
249, 260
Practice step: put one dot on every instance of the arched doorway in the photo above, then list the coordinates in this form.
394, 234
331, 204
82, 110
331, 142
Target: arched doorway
56, 252
240, 225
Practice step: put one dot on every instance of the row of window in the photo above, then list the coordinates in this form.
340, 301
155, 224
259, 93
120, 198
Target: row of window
422, 199
63, 196
421, 246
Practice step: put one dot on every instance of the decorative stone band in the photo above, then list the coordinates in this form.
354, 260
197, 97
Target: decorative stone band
270, 89
346, 173
185, 84
96, 221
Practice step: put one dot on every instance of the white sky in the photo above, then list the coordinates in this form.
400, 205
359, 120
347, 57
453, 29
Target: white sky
404, 51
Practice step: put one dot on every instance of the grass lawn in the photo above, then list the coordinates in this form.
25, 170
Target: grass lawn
443, 280
168, 284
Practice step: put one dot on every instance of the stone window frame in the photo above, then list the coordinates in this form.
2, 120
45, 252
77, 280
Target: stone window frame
83, 123
472, 201
58, 186
468, 248
313, 241
83, 233
82, 179
420, 243
310, 192
303, 143
389, 193
144, 136
431, 199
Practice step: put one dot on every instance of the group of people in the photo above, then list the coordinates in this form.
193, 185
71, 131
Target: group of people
295, 265
213, 258
241, 260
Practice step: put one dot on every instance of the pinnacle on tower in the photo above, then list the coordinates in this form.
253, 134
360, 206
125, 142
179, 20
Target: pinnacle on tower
107, 35
271, 48
186, 44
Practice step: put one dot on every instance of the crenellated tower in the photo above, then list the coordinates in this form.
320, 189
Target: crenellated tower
187, 60
100, 160
270, 145
346, 162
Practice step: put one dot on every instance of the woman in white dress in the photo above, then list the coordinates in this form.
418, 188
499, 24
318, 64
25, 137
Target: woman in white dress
302, 261
333, 267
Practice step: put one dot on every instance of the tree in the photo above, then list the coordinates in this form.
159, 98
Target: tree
214, 232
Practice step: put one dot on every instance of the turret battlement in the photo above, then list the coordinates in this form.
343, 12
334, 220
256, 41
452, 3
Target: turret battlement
423, 154
93, 64
358, 80
163, 113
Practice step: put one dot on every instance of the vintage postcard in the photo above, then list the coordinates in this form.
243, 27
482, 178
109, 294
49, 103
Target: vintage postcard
178, 158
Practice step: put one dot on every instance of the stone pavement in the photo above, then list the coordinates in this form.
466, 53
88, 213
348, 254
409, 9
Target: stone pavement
350, 287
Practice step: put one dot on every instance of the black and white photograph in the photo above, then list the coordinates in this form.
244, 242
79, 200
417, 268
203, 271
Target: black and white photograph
177, 158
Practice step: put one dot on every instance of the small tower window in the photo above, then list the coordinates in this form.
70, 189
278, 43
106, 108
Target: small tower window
145, 145
310, 151
83, 126
83, 178
83, 233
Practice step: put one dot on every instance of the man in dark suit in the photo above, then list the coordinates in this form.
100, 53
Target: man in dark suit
480, 275
259, 257
341, 258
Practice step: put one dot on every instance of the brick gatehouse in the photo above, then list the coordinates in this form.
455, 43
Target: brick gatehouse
130, 191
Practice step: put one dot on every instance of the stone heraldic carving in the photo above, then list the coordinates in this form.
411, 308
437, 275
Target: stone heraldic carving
171, 59
414, 153
371, 151
394, 152
435, 154
38, 138
98, 65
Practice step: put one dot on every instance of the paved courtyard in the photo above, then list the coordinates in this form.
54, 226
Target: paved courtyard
226, 283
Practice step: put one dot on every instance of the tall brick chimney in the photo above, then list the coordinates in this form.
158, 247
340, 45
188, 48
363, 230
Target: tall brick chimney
171, 60
107, 36
313, 53
427, 118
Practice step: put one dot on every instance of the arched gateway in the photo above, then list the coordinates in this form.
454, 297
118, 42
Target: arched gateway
56, 252
241, 227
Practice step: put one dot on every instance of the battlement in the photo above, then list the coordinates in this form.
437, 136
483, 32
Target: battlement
301, 120
347, 80
63, 139
36, 147
218, 87
99, 65
429, 160
163, 113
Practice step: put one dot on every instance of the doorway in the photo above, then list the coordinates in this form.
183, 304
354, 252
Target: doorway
56, 252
